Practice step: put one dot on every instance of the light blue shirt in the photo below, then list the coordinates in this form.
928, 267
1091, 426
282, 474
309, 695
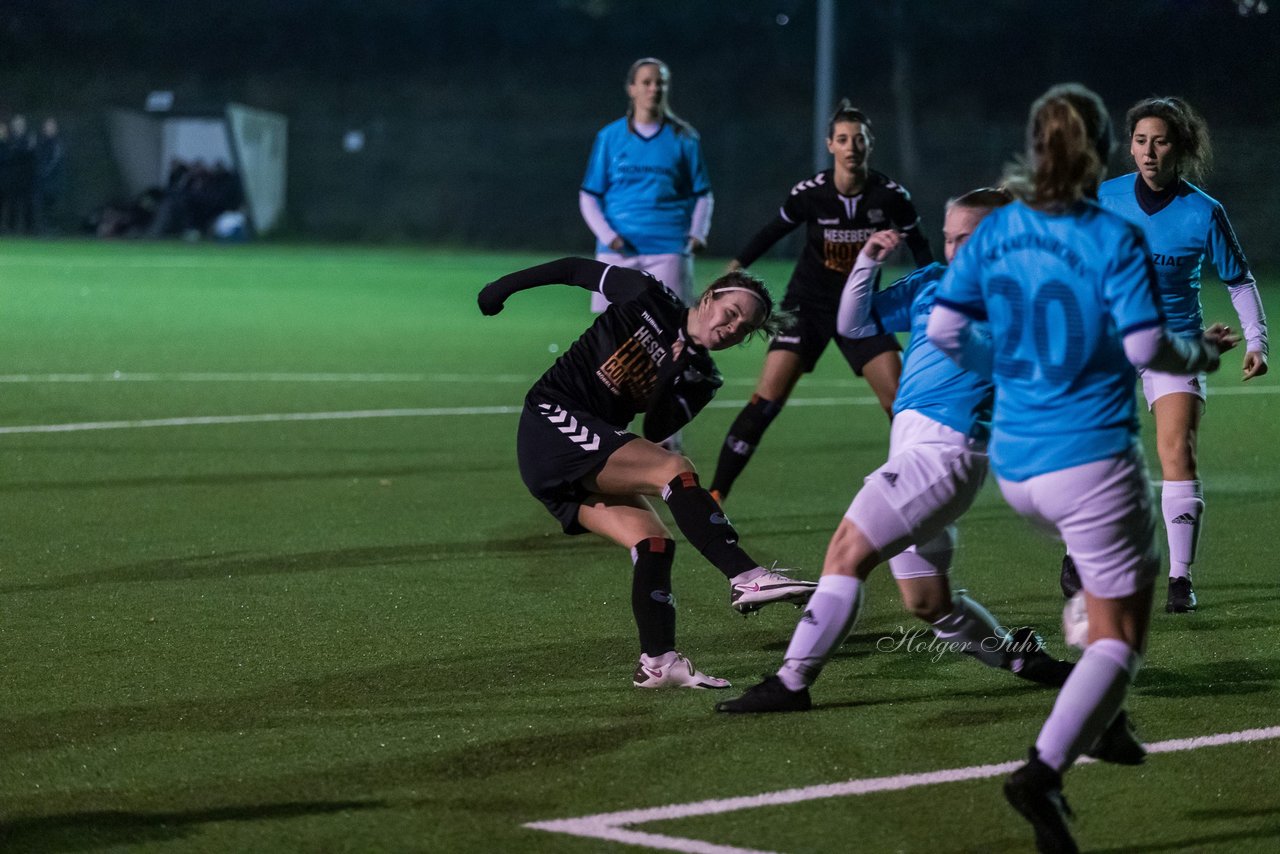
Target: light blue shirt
647, 186
931, 383
1191, 228
1060, 291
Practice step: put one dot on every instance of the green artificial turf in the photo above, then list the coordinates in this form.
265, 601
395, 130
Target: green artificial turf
362, 634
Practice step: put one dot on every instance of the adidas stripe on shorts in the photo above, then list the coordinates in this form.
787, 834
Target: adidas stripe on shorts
931, 478
1156, 384
556, 447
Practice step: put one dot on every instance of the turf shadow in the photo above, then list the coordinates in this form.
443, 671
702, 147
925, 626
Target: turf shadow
202, 567
244, 478
1208, 679
88, 830
1229, 841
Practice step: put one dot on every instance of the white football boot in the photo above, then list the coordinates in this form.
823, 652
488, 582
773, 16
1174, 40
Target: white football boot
672, 670
756, 588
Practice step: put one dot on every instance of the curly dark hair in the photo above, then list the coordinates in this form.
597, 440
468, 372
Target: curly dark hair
1187, 132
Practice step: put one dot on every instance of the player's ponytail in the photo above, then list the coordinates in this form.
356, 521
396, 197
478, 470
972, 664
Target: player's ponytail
1068, 143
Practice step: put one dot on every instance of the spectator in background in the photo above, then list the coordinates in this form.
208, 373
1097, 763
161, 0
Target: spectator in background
6, 174
194, 197
21, 168
50, 177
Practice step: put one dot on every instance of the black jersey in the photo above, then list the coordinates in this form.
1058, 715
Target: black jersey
635, 358
837, 228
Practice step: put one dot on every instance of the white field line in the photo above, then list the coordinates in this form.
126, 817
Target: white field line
420, 412
347, 415
260, 377
614, 826
424, 378
321, 377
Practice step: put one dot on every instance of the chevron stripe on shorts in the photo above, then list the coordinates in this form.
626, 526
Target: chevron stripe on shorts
568, 425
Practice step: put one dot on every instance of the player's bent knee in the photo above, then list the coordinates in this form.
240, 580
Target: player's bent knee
669, 466
925, 600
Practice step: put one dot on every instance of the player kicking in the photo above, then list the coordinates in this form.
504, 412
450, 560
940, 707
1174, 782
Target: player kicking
647, 353
1067, 290
906, 510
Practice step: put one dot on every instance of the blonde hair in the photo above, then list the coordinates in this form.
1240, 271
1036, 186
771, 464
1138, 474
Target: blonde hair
678, 124
1068, 144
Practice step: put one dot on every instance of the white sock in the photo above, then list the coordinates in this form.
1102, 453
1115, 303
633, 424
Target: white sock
827, 621
1182, 502
973, 626
1088, 702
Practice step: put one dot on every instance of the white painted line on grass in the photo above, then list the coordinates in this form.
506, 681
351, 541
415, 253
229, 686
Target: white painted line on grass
204, 420
352, 415
322, 377
274, 417
259, 377
614, 826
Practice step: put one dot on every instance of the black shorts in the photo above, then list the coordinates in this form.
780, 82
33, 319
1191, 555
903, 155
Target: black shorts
814, 328
556, 448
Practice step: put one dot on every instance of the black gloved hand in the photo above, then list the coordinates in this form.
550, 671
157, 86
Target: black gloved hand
491, 299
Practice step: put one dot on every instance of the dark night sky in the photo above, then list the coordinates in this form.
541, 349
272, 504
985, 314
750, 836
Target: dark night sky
979, 52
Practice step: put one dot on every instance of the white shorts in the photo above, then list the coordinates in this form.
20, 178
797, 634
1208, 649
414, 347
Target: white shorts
931, 478
1156, 384
675, 271
1103, 512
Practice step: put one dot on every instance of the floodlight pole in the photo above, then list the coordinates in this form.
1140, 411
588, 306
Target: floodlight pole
823, 76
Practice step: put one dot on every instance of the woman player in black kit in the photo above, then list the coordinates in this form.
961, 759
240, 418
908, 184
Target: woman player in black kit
841, 207
647, 353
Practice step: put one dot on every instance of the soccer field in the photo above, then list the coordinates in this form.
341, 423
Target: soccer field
271, 582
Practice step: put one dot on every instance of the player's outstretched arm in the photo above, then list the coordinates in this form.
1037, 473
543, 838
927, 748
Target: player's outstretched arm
618, 284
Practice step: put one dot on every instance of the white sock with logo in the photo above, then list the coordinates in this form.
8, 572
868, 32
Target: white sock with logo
827, 621
1087, 703
1182, 502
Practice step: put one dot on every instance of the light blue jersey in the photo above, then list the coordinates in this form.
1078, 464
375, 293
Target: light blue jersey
647, 186
1187, 229
1060, 292
931, 383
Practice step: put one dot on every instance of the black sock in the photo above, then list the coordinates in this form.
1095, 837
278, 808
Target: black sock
744, 435
651, 600
704, 525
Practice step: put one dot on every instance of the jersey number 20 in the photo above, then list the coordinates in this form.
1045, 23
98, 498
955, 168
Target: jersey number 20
1053, 308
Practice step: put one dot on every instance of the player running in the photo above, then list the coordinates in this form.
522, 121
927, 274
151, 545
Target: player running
905, 512
1184, 227
647, 353
841, 208
1069, 294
